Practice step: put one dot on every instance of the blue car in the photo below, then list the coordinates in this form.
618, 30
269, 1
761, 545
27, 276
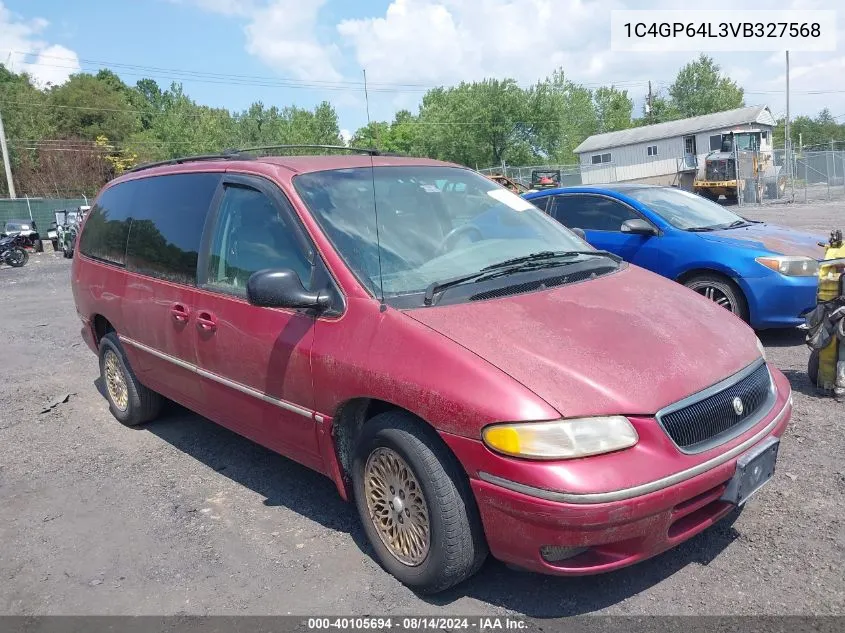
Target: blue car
765, 274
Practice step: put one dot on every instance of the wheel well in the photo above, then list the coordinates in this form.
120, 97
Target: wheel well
689, 274
348, 422
686, 276
101, 327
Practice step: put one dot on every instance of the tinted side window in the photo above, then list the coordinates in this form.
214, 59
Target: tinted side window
591, 213
107, 226
541, 203
167, 222
251, 235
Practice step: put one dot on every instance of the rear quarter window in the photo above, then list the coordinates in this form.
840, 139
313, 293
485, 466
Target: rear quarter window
152, 226
107, 227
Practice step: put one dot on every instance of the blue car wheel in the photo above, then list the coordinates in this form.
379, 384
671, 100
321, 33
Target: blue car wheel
722, 291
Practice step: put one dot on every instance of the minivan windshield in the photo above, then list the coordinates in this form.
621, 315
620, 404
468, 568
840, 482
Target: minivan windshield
685, 210
425, 224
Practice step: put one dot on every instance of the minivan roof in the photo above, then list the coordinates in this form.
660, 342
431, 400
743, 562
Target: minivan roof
296, 164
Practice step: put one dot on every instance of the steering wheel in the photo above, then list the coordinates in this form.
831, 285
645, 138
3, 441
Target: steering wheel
452, 236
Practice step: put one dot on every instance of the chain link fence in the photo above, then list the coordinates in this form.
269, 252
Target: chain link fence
762, 178
570, 175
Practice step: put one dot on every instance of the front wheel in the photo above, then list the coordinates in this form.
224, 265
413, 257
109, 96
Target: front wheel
721, 291
16, 257
416, 505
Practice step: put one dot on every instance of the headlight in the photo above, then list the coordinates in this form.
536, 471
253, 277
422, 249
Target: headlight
791, 265
561, 439
761, 348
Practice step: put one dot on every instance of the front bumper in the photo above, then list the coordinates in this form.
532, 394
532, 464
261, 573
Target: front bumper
777, 301
620, 526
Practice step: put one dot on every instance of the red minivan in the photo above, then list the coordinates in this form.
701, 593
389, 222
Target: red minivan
472, 373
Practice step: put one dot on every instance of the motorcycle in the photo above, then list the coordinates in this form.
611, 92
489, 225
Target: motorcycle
12, 252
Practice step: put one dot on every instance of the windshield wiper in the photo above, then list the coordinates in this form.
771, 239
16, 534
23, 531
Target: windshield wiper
720, 227
543, 255
738, 223
534, 261
702, 229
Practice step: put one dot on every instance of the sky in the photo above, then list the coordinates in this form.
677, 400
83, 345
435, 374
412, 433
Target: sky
231, 53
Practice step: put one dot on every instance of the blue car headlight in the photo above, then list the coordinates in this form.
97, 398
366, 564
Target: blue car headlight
791, 265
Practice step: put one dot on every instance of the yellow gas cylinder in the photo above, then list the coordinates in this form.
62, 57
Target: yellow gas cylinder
829, 288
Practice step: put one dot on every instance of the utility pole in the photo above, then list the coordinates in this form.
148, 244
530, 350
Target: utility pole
650, 104
6, 163
788, 140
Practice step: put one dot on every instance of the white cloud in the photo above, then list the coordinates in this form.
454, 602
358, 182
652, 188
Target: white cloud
23, 50
442, 42
282, 34
446, 41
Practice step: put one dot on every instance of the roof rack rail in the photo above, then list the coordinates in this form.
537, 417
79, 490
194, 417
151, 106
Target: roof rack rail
245, 154
228, 154
359, 150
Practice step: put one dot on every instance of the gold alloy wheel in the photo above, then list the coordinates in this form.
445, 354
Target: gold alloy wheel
396, 506
116, 382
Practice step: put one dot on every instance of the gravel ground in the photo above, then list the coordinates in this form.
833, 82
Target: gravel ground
183, 517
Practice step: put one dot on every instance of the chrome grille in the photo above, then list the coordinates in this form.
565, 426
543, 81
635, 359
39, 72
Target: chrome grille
711, 417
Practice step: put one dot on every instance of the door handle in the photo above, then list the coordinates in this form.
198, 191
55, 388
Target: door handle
206, 321
179, 312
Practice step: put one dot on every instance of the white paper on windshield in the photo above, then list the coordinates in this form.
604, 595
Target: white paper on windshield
512, 200
430, 188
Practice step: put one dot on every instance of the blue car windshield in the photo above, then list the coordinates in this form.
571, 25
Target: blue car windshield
685, 210
422, 224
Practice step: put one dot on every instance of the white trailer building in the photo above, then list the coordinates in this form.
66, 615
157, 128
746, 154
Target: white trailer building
667, 153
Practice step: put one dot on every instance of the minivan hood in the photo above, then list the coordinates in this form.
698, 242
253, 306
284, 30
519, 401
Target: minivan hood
630, 342
777, 239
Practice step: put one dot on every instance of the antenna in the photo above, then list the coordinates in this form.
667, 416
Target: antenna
366, 97
375, 203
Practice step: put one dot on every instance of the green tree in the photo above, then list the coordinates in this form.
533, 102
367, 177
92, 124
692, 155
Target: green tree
662, 109
613, 109
373, 135
699, 88
86, 107
562, 115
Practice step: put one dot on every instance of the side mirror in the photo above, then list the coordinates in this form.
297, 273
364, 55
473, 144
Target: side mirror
282, 289
638, 226
580, 233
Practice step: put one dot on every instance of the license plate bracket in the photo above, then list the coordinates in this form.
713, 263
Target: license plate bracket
753, 471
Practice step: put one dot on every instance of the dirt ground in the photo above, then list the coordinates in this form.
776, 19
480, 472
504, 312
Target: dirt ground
184, 517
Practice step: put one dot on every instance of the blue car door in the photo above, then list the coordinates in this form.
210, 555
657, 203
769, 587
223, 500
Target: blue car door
601, 218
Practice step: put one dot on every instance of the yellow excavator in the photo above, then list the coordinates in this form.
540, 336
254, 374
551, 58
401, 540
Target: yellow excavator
826, 323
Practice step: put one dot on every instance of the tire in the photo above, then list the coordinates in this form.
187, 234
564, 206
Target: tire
55, 246
16, 257
723, 288
138, 404
456, 545
813, 368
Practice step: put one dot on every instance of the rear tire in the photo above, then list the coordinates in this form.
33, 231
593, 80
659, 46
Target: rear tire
399, 459
16, 257
129, 401
721, 290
